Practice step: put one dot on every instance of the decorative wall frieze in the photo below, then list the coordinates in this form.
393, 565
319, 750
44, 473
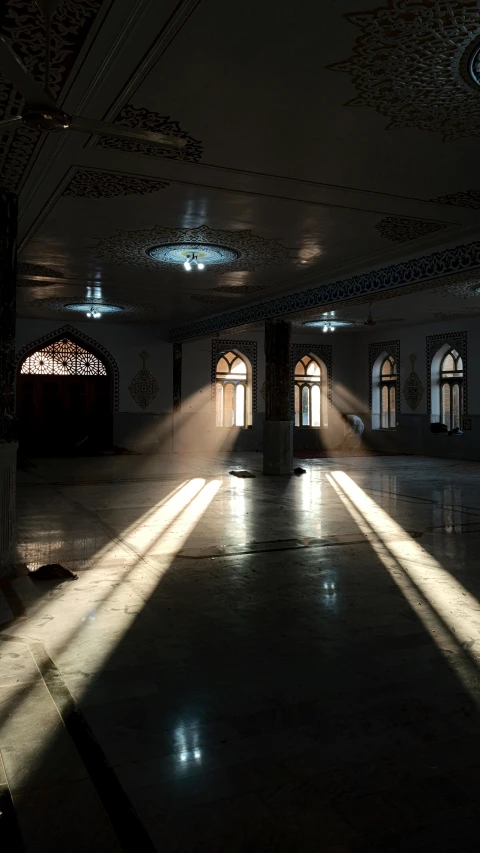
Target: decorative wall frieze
408, 64
74, 335
143, 387
132, 247
24, 27
426, 272
140, 118
374, 350
89, 183
401, 229
246, 348
413, 389
455, 340
323, 352
469, 198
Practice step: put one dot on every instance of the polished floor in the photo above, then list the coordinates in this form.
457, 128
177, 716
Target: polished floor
281, 664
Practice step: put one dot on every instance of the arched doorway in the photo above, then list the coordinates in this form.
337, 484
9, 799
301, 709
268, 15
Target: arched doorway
64, 399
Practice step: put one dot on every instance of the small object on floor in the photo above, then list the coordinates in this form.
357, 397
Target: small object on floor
52, 571
299, 471
242, 474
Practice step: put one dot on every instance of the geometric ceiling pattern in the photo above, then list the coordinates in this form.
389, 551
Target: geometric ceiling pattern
90, 183
142, 119
26, 269
252, 251
409, 64
469, 198
401, 229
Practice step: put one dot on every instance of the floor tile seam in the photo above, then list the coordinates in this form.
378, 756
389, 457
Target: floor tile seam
128, 825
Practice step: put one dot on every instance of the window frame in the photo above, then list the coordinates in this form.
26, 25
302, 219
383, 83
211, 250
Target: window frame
451, 379
301, 381
244, 381
388, 382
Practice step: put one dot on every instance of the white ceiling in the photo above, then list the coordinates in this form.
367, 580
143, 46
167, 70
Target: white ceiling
282, 155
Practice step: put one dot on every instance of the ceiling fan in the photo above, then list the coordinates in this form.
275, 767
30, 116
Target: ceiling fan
371, 322
41, 111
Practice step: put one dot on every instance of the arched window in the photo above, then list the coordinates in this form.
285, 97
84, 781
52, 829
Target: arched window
388, 393
63, 358
232, 392
451, 388
310, 392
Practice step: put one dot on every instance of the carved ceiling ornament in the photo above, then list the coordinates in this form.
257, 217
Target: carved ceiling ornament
142, 119
116, 309
468, 198
413, 389
24, 26
89, 183
408, 64
401, 229
143, 387
132, 247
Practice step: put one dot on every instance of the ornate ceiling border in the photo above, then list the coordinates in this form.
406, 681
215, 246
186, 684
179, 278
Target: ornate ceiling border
131, 247
423, 273
70, 332
93, 183
408, 64
402, 229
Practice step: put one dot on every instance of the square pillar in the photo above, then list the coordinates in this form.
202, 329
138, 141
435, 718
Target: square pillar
8, 423
278, 427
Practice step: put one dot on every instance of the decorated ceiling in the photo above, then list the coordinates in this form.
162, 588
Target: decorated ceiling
326, 144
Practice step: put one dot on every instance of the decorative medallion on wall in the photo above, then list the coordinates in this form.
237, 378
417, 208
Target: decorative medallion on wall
413, 388
24, 27
401, 229
155, 249
73, 334
88, 183
455, 340
143, 387
469, 198
246, 348
374, 350
408, 63
142, 119
25, 269
323, 352
69, 304
437, 269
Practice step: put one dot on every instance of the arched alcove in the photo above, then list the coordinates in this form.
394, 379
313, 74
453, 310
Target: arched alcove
66, 390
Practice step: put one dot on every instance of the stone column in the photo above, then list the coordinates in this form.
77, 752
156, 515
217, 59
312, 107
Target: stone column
8, 425
278, 427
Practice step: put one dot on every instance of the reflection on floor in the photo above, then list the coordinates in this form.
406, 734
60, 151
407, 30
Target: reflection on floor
244, 665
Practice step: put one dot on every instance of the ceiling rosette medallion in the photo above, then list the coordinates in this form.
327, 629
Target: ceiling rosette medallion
89, 183
23, 25
401, 229
155, 249
412, 63
142, 119
111, 309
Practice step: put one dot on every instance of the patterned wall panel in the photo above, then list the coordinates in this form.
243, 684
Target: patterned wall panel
248, 348
374, 350
177, 377
458, 341
68, 331
322, 351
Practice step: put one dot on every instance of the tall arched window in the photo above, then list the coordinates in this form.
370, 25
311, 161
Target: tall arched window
451, 387
388, 393
310, 393
232, 401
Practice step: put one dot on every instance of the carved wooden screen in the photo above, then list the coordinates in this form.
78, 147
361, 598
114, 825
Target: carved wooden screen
63, 358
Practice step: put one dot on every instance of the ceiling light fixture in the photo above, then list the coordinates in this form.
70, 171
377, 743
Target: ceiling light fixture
328, 327
93, 314
192, 261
